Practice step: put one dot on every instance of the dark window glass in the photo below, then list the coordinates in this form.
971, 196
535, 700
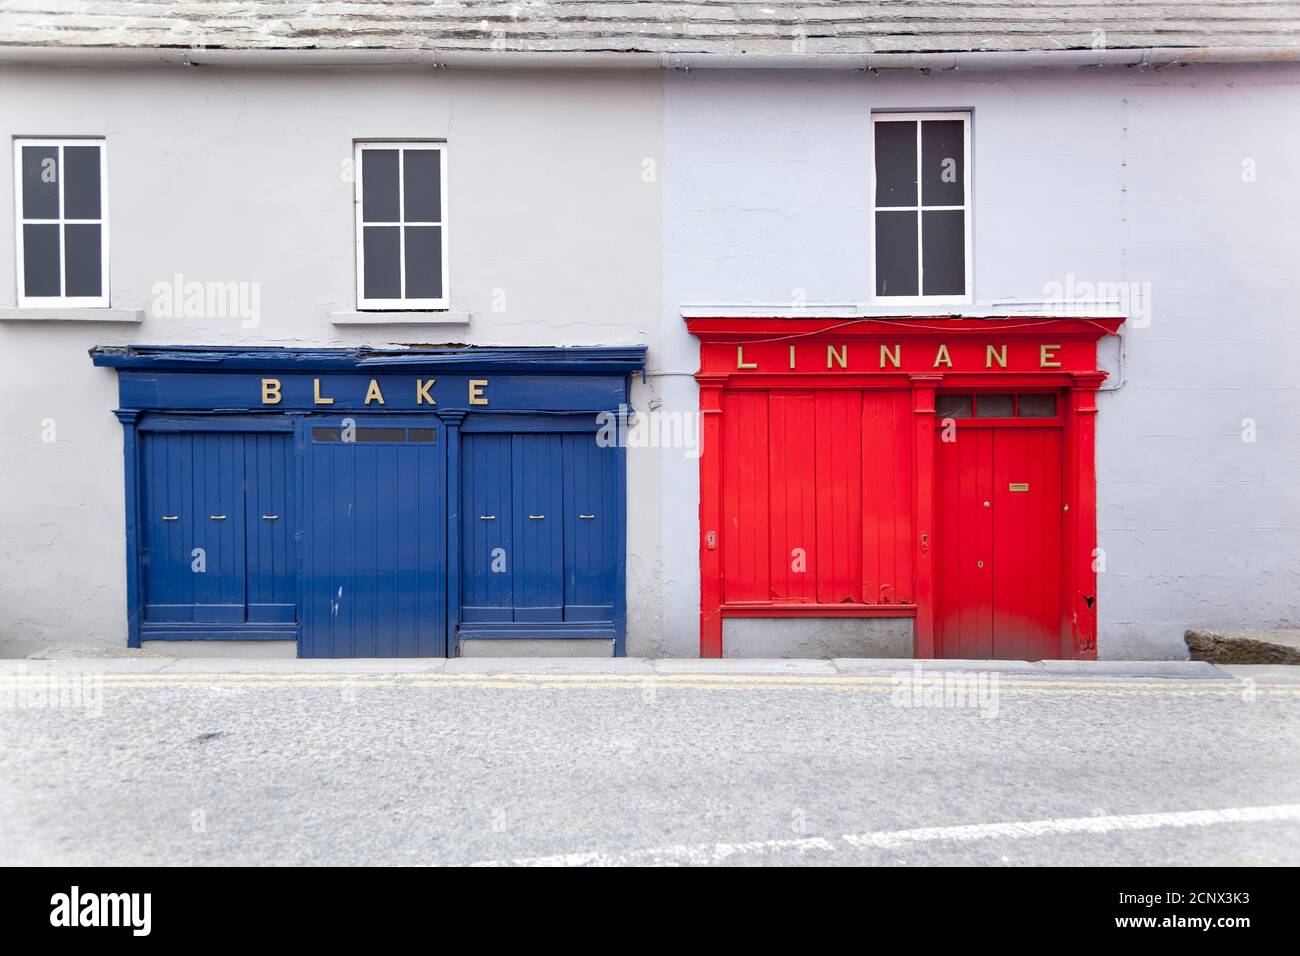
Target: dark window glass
428, 435
421, 176
386, 435
994, 406
942, 156
944, 253
896, 253
41, 260
1037, 406
40, 183
954, 406
423, 262
895, 163
80, 183
379, 190
83, 249
326, 434
383, 268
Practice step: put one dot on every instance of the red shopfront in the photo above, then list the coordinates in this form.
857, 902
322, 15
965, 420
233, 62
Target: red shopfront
941, 470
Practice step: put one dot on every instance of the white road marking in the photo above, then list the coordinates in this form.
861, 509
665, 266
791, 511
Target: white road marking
705, 854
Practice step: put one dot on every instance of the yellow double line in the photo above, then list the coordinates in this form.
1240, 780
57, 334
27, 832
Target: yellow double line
879, 684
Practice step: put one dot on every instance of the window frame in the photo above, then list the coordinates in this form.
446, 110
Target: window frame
26, 301
404, 304
921, 298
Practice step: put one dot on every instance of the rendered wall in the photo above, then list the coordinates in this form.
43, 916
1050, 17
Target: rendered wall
241, 175
1184, 178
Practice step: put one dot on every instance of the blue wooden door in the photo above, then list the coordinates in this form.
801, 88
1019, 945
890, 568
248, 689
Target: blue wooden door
269, 522
374, 549
538, 492
487, 529
195, 562
591, 518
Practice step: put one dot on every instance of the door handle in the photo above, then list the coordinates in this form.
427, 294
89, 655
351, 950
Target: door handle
536, 517
270, 517
217, 517
171, 517
487, 517
586, 516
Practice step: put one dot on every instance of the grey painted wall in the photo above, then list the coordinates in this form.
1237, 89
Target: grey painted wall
1116, 176
239, 175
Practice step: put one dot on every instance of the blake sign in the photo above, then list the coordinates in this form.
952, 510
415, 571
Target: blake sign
325, 391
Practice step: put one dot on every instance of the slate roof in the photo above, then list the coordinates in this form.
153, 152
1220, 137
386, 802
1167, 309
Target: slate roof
662, 27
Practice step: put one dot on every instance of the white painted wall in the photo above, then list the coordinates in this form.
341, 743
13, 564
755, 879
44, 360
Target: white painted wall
760, 189
225, 174
1123, 175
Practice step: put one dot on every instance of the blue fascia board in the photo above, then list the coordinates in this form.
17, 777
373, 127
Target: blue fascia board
535, 359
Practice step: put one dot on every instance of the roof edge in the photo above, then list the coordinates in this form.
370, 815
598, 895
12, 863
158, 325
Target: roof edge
440, 59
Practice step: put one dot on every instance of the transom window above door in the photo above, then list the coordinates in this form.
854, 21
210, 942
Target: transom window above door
401, 209
62, 229
922, 216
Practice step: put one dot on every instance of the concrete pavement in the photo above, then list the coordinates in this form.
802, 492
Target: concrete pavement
605, 762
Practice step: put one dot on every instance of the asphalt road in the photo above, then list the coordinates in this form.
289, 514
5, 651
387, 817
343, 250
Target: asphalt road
312, 767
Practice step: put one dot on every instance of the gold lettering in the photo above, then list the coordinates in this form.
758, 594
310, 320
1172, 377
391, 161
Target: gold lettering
422, 391
942, 357
316, 395
740, 359
270, 391
476, 386
895, 357
1047, 356
992, 355
373, 393
841, 357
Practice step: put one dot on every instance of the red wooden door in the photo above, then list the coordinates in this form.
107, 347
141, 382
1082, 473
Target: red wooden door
999, 545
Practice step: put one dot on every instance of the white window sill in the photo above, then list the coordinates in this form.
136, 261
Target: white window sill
441, 317
70, 314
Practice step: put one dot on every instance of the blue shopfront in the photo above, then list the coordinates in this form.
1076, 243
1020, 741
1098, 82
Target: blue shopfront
374, 503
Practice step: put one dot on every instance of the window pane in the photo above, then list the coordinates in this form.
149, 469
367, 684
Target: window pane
41, 182
379, 185
81, 245
954, 406
383, 275
1037, 406
381, 434
944, 253
424, 435
942, 158
423, 262
994, 406
326, 434
80, 183
896, 253
422, 176
895, 163
41, 260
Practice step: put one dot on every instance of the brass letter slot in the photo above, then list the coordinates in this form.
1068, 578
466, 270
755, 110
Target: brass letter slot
1018, 486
